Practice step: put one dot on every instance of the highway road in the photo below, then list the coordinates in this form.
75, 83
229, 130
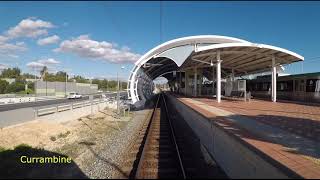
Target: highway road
9, 107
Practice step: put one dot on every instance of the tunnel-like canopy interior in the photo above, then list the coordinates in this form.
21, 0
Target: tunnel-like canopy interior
227, 55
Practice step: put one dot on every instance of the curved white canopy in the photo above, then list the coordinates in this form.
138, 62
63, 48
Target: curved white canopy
244, 58
190, 40
240, 55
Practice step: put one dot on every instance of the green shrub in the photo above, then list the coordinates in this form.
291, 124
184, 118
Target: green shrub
15, 87
3, 86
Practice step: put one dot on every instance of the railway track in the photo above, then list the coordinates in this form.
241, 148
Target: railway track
156, 152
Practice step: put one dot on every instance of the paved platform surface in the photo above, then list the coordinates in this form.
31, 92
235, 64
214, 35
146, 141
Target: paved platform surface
287, 133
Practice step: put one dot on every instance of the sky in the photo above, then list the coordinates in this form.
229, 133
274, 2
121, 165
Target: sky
96, 39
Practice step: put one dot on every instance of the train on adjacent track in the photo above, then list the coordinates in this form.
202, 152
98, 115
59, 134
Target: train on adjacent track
298, 87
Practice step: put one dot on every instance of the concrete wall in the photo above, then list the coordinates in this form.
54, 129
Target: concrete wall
236, 159
60, 88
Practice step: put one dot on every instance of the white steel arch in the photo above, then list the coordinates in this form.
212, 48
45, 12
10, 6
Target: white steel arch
133, 82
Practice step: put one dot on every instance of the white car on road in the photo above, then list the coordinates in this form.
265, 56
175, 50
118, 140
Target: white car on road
74, 95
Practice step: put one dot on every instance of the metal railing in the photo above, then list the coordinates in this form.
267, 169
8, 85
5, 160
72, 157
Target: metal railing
66, 107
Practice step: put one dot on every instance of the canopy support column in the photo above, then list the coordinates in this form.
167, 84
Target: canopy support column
274, 79
232, 80
232, 75
180, 82
200, 84
195, 81
218, 93
185, 83
212, 80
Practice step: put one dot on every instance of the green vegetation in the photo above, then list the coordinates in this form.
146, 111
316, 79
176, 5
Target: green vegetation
80, 79
20, 81
3, 86
15, 87
11, 73
18, 86
110, 85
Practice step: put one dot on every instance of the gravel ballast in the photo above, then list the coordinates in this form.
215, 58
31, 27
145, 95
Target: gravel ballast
107, 159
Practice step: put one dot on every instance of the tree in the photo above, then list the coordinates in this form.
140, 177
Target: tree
104, 84
44, 71
3, 86
15, 87
28, 76
59, 76
11, 73
123, 85
80, 79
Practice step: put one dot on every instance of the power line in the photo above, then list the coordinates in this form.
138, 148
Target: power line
161, 13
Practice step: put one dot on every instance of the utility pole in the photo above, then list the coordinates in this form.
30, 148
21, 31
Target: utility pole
34, 84
118, 96
118, 93
65, 91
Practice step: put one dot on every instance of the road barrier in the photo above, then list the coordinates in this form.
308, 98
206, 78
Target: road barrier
45, 111
66, 107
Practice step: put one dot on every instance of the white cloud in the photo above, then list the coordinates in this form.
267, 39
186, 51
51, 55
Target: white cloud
13, 56
3, 39
35, 65
49, 61
10, 49
43, 62
83, 46
49, 40
30, 27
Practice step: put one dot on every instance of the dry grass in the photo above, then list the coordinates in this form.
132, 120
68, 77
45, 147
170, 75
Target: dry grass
70, 138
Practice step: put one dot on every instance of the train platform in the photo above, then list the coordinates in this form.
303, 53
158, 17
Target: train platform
286, 133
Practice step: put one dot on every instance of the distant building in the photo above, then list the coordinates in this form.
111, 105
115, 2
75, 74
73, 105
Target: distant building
61, 89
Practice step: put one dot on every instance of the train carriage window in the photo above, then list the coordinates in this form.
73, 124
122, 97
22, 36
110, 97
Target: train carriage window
301, 85
296, 85
285, 86
265, 86
311, 85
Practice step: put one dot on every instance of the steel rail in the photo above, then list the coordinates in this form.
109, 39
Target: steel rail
139, 167
174, 138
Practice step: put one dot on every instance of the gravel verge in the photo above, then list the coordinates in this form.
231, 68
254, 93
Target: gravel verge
107, 159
